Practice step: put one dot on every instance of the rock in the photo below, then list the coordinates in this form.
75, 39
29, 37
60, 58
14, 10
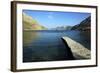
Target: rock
78, 50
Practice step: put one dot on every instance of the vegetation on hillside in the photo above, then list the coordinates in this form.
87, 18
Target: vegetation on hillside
31, 24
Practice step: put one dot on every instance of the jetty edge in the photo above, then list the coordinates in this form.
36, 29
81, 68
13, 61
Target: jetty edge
78, 50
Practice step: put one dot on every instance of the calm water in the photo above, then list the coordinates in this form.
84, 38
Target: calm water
48, 45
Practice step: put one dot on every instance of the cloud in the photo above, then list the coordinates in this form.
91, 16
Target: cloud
50, 16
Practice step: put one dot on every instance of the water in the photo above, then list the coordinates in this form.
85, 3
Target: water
48, 45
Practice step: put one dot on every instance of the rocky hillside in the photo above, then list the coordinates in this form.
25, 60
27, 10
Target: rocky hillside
31, 24
84, 25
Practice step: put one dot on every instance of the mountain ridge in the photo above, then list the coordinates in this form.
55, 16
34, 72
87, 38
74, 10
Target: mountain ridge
84, 25
31, 24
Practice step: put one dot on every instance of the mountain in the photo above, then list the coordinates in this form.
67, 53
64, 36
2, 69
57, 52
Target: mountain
31, 24
68, 27
84, 25
62, 28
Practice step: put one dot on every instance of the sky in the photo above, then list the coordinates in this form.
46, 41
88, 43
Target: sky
52, 19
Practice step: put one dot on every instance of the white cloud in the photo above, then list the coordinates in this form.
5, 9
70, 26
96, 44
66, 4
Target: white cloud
50, 16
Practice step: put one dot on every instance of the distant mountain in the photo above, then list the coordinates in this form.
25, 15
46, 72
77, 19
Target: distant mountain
68, 27
31, 24
84, 25
62, 28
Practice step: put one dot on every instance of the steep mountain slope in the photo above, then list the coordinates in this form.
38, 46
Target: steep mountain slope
31, 24
84, 25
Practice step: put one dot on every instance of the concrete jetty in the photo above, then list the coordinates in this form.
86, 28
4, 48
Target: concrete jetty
78, 50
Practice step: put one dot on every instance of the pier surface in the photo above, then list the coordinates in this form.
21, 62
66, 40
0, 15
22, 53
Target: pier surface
78, 50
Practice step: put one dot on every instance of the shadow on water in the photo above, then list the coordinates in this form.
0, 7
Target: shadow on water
86, 35
69, 52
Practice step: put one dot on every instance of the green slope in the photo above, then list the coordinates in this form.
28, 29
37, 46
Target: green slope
31, 24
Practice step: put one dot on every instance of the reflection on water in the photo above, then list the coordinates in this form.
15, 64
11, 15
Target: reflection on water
83, 37
48, 45
29, 36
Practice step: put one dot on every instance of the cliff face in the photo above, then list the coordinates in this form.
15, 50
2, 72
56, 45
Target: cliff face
31, 24
84, 25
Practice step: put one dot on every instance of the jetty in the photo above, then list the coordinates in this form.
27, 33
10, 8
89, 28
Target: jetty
78, 50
